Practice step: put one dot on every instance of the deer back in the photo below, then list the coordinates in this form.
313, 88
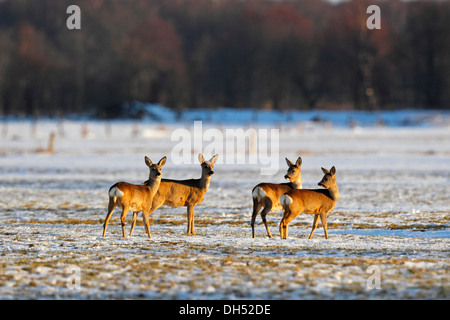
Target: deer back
136, 197
177, 193
271, 192
311, 200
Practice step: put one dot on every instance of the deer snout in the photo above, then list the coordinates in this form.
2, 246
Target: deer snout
211, 173
322, 185
286, 177
158, 174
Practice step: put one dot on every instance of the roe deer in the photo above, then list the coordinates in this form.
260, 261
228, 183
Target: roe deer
51, 145
316, 201
134, 197
267, 195
178, 193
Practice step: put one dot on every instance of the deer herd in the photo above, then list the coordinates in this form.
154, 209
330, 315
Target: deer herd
267, 197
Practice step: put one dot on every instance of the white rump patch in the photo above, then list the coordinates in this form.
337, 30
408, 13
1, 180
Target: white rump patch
258, 193
285, 200
115, 192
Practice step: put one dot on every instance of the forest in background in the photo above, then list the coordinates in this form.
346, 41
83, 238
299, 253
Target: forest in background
185, 54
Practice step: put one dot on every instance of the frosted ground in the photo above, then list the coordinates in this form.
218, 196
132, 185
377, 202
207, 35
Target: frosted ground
391, 221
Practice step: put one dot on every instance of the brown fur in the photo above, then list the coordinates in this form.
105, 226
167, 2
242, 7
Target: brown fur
178, 193
272, 192
314, 201
135, 198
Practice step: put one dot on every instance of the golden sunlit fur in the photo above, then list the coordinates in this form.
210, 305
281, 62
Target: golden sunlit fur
317, 201
267, 195
135, 198
188, 193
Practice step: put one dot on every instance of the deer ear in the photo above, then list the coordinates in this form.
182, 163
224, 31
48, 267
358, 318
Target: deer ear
162, 161
148, 162
289, 163
333, 171
214, 159
325, 171
298, 163
200, 158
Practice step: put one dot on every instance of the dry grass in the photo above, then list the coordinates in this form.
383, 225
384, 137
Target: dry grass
172, 265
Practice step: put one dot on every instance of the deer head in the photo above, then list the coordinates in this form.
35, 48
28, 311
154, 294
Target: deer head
207, 166
294, 172
155, 168
328, 179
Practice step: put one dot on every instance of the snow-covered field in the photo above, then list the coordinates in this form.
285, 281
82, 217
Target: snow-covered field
388, 235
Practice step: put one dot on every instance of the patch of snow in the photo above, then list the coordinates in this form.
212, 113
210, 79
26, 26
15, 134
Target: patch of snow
393, 211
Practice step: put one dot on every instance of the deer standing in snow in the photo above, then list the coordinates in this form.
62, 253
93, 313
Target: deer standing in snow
178, 193
134, 197
267, 195
315, 201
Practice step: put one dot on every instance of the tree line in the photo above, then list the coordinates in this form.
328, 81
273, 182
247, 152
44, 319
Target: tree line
265, 54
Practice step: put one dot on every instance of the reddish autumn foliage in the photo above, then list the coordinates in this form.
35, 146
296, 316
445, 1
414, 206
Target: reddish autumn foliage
200, 53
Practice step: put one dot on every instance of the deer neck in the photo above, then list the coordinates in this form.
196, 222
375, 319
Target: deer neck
204, 182
297, 184
153, 184
334, 193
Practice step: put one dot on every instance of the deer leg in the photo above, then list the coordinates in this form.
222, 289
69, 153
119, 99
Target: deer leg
111, 207
264, 212
256, 208
283, 228
145, 216
146, 223
133, 224
190, 218
284, 224
288, 216
122, 220
314, 226
323, 218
